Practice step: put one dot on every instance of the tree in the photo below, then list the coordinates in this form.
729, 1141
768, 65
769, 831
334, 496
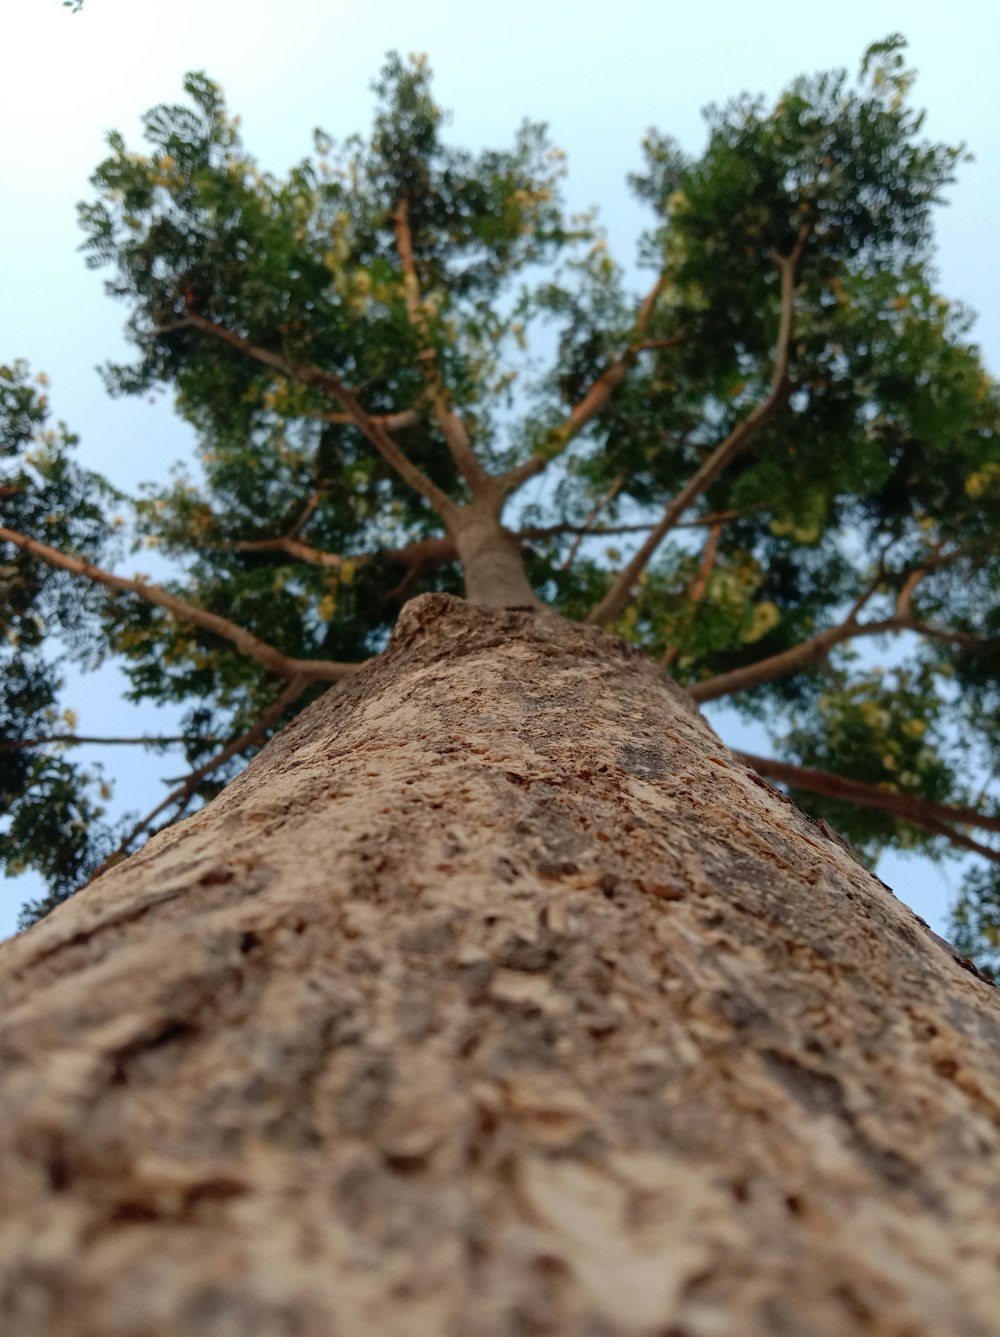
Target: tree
449, 1015
788, 436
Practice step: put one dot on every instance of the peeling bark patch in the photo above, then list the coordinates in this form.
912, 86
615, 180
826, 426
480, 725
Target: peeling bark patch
646, 760
167, 1032
819, 1092
364, 1098
822, 1093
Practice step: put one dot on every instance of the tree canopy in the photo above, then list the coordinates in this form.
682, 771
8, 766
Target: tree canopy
776, 468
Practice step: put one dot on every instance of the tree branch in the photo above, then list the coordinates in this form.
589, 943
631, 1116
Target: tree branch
671, 342
789, 661
421, 553
553, 531
934, 558
291, 546
315, 497
621, 590
976, 644
392, 422
594, 400
452, 427
273, 659
818, 647
79, 740
907, 807
306, 374
963, 841
904, 599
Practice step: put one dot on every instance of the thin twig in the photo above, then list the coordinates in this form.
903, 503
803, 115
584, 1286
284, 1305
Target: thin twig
621, 589
593, 401
977, 645
80, 740
587, 525
308, 511
871, 589
984, 788
452, 427
554, 531
307, 374
293, 547
960, 839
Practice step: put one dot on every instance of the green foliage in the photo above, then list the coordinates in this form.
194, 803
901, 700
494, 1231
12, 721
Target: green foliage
52, 816
872, 490
975, 920
886, 728
51, 810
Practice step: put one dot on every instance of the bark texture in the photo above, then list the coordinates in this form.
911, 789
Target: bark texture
496, 998
493, 564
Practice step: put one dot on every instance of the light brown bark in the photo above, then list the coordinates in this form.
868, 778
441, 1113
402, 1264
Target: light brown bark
492, 562
496, 997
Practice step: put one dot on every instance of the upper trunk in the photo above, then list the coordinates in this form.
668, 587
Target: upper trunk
492, 562
496, 997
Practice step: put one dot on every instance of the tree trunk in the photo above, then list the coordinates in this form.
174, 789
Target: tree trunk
496, 998
492, 562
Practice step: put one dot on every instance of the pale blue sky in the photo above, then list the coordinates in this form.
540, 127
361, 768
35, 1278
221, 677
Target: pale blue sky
600, 75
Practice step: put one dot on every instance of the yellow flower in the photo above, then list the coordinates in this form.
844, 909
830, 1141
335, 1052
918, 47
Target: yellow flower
764, 616
984, 480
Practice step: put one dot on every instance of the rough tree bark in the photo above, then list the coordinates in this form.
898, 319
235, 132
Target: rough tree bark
496, 997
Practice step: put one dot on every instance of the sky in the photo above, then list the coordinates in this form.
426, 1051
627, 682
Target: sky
599, 75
